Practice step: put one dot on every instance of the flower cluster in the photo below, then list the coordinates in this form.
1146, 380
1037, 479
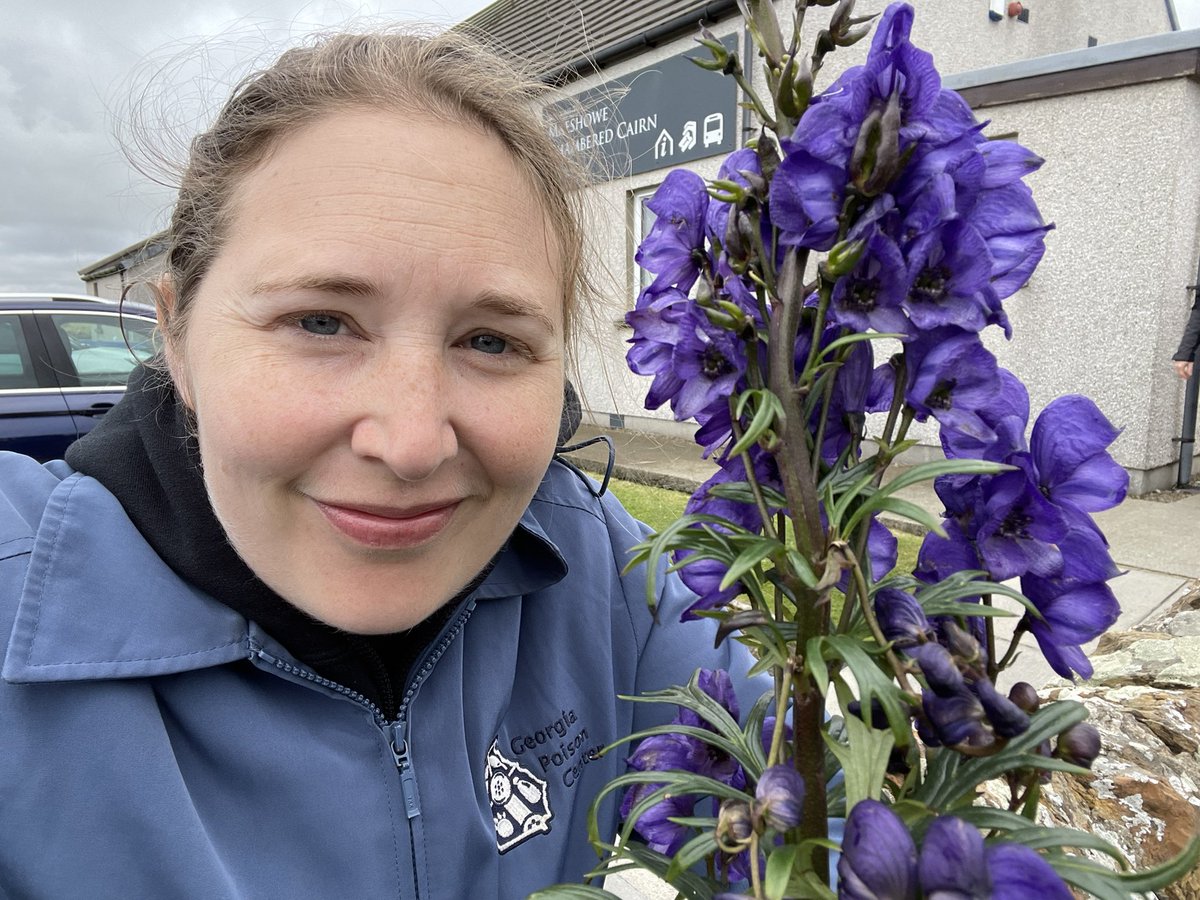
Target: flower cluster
879, 859
875, 210
778, 794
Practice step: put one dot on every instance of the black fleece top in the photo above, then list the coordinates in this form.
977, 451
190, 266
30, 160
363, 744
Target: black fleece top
145, 453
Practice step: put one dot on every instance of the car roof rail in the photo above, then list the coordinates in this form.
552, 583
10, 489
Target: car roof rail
16, 295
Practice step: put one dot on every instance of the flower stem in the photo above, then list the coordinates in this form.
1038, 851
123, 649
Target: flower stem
808, 713
869, 615
1012, 649
989, 632
755, 880
782, 694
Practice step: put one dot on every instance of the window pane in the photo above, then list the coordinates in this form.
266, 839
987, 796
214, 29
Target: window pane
100, 346
16, 369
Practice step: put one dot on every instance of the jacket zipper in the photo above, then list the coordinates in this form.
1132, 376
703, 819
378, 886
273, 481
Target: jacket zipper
398, 729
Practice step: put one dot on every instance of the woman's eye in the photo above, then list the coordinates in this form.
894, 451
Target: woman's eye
488, 343
320, 323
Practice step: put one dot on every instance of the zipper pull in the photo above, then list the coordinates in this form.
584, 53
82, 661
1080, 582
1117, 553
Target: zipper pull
408, 781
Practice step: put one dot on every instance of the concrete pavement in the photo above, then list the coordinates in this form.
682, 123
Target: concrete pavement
1155, 543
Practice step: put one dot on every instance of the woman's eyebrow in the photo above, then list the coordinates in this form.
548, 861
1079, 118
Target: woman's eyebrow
349, 285
508, 305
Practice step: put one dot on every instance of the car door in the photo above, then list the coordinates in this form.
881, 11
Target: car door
34, 417
94, 354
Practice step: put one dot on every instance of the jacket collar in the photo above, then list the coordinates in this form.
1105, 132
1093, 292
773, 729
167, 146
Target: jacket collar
98, 602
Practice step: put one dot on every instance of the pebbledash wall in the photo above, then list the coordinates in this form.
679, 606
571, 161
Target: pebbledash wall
1119, 126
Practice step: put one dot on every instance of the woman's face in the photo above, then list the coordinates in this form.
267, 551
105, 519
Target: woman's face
375, 363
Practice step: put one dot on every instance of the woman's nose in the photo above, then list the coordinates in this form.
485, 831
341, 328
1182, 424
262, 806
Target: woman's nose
407, 422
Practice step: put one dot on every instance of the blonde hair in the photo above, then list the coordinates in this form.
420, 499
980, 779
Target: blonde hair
448, 77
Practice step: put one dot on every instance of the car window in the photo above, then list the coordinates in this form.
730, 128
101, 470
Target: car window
105, 349
16, 368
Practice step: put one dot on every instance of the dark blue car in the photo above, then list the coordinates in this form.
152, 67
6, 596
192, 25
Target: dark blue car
64, 362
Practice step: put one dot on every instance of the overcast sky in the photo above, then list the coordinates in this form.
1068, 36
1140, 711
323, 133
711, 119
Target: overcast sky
68, 71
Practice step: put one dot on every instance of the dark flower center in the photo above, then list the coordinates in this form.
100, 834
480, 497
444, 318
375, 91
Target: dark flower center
713, 363
931, 285
861, 295
939, 397
1016, 523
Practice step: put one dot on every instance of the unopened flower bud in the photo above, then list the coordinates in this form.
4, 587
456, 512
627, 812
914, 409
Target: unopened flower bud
962, 645
1024, 695
843, 258
1007, 719
1079, 744
779, 797
734, 826
939, 668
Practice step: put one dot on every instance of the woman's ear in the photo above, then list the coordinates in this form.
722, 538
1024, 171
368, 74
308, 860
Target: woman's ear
166, 310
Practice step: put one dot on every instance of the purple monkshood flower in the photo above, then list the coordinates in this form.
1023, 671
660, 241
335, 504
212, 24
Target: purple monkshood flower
779, 797
665, 752
655, 825
1018, 528
704, 576
955, 864
870, 296
1069, 446
709, 360
1013, 230
949, 269
657, 322
806, 199
952, 377
880, 862
879, 858
941, 557
1073, 613
737, 162
674, 248
901, 618
1006, 416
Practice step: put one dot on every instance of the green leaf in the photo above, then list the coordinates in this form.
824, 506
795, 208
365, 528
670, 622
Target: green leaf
1038, 837
754, 554
767, 411
872, 683
930, 470
945, 789
694, 851
1161, 875
879, 503
779, 871
859, 336
864, 759
1087, 876
573, 892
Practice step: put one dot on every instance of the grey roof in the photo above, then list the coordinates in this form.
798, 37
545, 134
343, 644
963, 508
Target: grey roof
565, 40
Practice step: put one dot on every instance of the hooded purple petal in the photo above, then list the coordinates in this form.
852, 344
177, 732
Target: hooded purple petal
675, 245
1069, 447
953, 865
879, 858
1019, 873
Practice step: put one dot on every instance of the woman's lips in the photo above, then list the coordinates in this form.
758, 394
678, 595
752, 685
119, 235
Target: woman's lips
390, 529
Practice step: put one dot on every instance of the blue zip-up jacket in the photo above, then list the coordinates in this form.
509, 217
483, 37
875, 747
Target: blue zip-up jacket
155, 744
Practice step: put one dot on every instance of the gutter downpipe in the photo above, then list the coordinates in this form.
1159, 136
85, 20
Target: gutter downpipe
586, 65
1191, 393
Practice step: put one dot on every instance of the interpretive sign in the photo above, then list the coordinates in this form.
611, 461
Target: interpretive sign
662, 115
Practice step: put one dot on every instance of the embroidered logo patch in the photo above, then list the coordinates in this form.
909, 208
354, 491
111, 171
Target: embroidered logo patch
520, 801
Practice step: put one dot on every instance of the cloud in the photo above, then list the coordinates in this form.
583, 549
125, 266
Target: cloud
72, 75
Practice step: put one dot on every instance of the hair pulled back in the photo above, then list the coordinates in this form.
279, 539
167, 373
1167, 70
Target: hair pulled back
448, 77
